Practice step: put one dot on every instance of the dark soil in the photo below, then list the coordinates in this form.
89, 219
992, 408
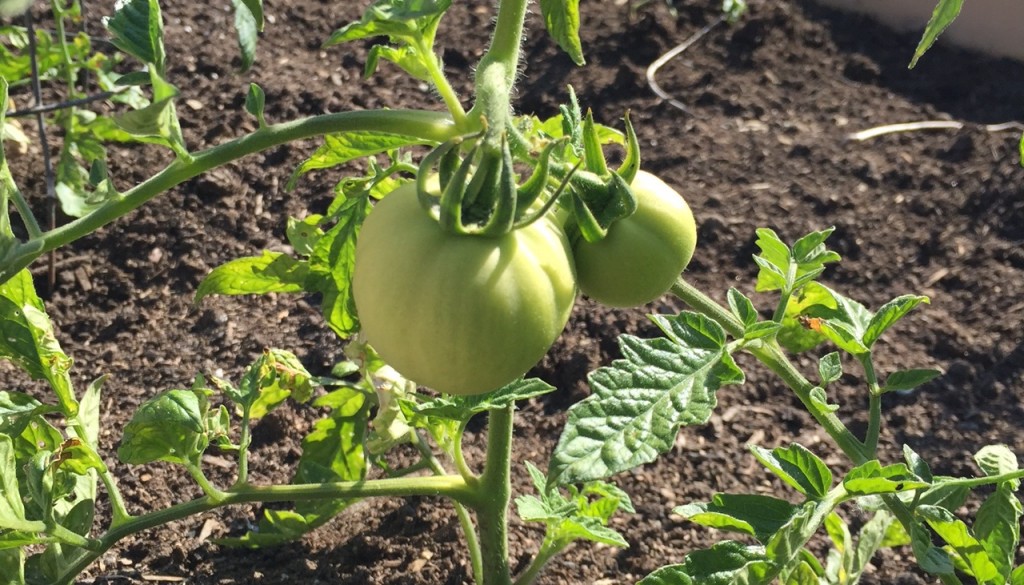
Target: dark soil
769, 101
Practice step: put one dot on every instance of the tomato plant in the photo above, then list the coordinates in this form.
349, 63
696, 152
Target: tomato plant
463, 290
642, 255
460, 314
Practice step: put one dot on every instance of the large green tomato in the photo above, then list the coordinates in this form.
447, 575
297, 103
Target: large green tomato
642, 255
459, 314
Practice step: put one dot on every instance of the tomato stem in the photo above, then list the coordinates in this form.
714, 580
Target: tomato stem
431, 127
495, 494
451, 486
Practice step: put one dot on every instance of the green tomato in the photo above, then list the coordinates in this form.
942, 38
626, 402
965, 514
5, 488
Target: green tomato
459, 314
642, 255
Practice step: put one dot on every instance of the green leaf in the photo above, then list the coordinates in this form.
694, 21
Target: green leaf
639, 402
794, 335
273, 377
904, 380
742, 307
871, 538
169, 427
462, 408
797, 466
830, 368
137, 29
802, 575
963, 543
156, 123
407, 57
725, 563
332, 263
256, 9
304, 234
271, 272
333, 451
944, 14
27, 338
888, 314
12, 509
255, 103
248, 29
789, 270
89, 411
397, 19
16, 411
761, 329
997, 460
997, 527
343, 147
12, 566
916, 464
562, 19
872, 478
1017, 577
756, 515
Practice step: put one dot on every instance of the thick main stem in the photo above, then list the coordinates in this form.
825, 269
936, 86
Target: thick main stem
495, 493
430, 127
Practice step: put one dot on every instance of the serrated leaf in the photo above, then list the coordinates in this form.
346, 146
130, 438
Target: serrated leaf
562, 19
271, 272
639, 402
742, 307
797, 466
137, 29
304, 234
871, 537
888, 314
959, 538
997, 460
872, 478
27, 339
397, 19
905, 380
997, 527
168, 427
462, 408
247, 30
830, 368
1017, 577
757, 515
343, 147
929, 557
406, 57
944, 14
272, 378
722, 564
331, 265
334, 450
16, 411
803, 574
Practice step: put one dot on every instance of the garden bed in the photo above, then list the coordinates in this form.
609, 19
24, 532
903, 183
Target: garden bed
770, 102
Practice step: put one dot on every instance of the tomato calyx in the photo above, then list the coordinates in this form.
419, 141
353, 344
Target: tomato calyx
479, 194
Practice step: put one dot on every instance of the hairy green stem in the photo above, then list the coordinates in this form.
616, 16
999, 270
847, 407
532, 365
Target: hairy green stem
437, 76
244, 441
451, 486
495, 494
874, 404
548, 550
496, 73
430, 127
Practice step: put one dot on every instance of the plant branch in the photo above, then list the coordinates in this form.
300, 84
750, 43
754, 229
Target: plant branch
451, 486
430, 127
47, 108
